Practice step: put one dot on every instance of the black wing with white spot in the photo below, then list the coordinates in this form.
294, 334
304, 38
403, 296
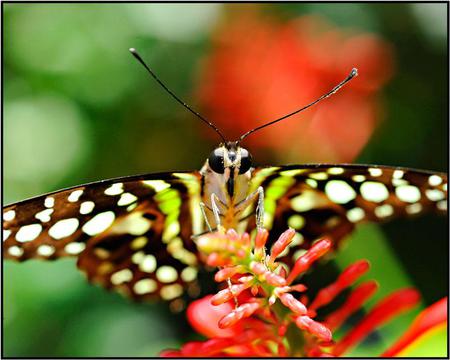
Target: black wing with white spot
328, 200
131, 234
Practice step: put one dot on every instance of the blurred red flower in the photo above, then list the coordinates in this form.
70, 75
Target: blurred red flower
259, 70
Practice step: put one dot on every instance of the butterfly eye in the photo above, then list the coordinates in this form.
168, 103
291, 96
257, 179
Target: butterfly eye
246, 161
215, 161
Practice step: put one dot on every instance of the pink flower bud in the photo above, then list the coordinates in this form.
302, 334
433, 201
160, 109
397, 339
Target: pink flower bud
299, 287
245, 240
243, 311
314, 327
283, 241
257, 268
292, 303
274, 279
261, 239
227, 273
305, 261
232, 235
227, 294
214, 259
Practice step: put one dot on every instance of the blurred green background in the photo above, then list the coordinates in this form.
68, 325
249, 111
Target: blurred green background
78, 108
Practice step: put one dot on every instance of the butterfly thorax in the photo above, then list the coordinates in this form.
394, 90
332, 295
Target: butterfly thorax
226, 177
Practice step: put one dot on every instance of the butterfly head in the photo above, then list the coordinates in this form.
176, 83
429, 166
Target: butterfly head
229, 159
230, 165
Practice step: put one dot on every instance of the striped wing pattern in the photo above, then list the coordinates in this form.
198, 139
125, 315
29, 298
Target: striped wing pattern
329, 200
133, 234
126, 233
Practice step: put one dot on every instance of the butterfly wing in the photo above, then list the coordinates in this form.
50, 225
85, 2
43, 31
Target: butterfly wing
130, 234
329, 200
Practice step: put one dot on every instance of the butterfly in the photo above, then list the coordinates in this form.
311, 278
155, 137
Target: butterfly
136, 234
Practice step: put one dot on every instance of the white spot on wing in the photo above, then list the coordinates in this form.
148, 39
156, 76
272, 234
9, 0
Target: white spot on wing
307, 200
28, 232
145, 286
137, 257
166, 274
126, 199
15, 251
399, 182
408, 193
375, 172
189, 274
49, 202
398, 174
296, 221
139, 242
434, 195
75, 195
170, 292
86, 207
44, 215
414, 208
319, 176
114, 189
6, 234
171, 230
45, 250
356, 214
339, 191
434, 180
384, 210
74, 248
99, 223
442, 205
311, 182
358, 178
63, 228
121, 276
293, 172
374, 191
148, 263
335, 170
131, 207
158, 185
134, 224
9, 215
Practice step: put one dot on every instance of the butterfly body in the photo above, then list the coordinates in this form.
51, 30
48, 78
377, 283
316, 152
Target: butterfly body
226, 179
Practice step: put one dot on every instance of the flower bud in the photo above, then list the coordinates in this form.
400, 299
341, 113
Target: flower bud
305, 261
243, 311
314, 327
283, 241
227, 272
261, 239
227, 294
274, 279
292, 303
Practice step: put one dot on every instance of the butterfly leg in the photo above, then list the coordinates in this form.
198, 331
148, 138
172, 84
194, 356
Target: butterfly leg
202, 208
260, 209
259, 193
216, 210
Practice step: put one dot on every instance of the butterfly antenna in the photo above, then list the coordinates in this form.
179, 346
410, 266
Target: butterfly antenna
352, 74
210, 124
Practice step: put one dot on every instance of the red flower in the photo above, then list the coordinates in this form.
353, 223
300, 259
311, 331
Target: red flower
246, 318
260, 70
